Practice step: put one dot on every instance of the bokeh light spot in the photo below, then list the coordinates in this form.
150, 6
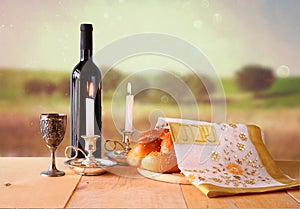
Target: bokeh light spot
106, 15
164, 99
218, 18
197, 24
205, 3
283, 71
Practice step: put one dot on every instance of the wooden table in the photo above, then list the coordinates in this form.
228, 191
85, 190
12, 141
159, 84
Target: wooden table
128, 190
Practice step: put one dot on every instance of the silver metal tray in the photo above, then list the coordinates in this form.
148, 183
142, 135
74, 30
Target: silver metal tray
78, 167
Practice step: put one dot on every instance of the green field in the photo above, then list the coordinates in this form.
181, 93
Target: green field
284, 93
13, 95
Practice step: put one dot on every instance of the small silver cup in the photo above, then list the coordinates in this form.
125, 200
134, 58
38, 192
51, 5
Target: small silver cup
53, 128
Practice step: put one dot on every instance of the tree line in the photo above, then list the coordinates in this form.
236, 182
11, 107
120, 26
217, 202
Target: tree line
254, 78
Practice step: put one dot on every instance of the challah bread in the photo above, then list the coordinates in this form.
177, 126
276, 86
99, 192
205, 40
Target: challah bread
154, 151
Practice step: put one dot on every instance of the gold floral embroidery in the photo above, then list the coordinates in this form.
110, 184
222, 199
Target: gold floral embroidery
201, 178
215, 156
216, 180
238, 161
241, 146
223, 127
243, 136
234, 169
233, 125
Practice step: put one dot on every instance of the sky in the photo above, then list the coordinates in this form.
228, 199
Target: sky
44, 34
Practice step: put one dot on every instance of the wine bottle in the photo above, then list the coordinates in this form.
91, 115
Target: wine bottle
85, 74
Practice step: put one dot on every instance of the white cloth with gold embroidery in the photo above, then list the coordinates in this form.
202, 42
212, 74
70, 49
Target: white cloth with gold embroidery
224, 159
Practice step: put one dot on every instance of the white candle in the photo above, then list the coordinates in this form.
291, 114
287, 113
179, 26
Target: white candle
129, 109
90, 110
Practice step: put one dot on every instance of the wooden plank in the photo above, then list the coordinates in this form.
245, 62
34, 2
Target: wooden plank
265, 200
196, 199
21, 185
126, 189
295, 194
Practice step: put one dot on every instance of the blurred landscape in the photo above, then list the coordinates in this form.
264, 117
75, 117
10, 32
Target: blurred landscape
25, 94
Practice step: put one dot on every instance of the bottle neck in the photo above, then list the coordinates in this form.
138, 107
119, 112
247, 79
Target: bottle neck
86, 45
86, 54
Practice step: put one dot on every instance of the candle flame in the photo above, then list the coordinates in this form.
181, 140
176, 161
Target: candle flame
90, 89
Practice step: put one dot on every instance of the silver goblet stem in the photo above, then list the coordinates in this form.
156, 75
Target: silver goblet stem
52, 167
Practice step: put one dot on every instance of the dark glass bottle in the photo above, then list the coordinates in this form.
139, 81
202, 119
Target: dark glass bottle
84, 74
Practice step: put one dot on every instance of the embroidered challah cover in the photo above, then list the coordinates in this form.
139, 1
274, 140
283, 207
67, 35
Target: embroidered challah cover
224, 159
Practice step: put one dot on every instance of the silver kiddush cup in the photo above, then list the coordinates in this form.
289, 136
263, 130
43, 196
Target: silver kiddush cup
53, 128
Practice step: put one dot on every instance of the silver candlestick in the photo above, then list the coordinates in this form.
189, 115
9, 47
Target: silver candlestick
89, 165
127, 135
90, 147
119, 155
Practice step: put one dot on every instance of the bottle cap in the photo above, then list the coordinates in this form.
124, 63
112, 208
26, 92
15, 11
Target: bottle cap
86, 27
86, 40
